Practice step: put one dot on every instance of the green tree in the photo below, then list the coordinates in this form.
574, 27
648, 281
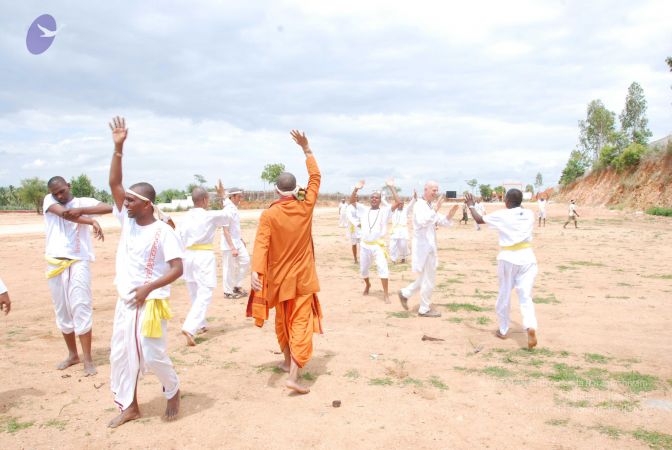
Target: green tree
103, 196
630, 157
32, 192
166, 196
595, 131
575, 168
271, 172
81, 186
668, 60
529, 188
200, 179
472, 184
633, 117
538, 181
486, 191
499, 190
607, 155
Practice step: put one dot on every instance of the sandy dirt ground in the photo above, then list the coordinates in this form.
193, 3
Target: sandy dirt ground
601, 376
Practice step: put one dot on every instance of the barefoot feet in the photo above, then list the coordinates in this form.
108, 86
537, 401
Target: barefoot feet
130, 413
172, 408
89, 367
296, 387
71, 360
284, 366
531, 338
367, 285
190, 339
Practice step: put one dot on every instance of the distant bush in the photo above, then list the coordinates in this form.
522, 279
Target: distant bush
630, 157
660, 211
607, 156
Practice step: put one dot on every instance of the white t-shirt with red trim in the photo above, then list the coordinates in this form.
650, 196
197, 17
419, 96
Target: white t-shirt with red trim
143, 254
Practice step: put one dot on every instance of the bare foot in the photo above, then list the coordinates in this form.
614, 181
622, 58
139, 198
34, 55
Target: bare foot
67, 362
296, 387
130, 413
89, 368
172, 408
366, 288
190, 339
386, 298
531, 338
284, 366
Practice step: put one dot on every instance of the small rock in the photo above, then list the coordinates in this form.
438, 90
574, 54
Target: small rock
336, 403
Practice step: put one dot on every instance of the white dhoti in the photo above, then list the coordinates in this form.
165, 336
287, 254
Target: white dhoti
424, 283
72, 298
200, 274
373, 253
353, 234
132, 355
234, 268
398, 248
522, 279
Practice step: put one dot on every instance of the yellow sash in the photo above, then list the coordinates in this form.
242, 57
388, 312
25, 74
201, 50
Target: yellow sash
518, 246
200, 247
61, 264
380, 243
156, 309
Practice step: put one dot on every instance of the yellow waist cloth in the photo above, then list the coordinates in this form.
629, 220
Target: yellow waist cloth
61, 264
518, 246
156, 309
200, 247
380, 243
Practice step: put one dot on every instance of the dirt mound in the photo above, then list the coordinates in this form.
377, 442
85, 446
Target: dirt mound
649, 184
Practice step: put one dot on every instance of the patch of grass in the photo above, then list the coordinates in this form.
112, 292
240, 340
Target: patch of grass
308, 376
653, 438
55, 423
608, 430
563, 268
624, 284
579, 404
13, 425
483, 320
547, 300
563, 354
536, 362
400, 314
596, 358
617, 297
508, 359
381, 381
352, 373
636, 381
413, 381
567, 376
586, 263
453, 307
444, 284
497, 372
200, 340
234, 349
455, 319
274, 369
482, 295
621, 405
437, 383
535, 374
557, 422
660, 211
660, 277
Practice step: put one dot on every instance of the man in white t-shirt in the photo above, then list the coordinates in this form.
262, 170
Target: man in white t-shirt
541, 204
197, 231
68, 252
399, 235
353, 231
426, 219
149, 258
573, 214
516, 263
5, 302
373, 225
235, 257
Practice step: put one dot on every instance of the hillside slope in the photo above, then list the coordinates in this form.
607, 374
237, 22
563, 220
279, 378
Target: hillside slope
650, 184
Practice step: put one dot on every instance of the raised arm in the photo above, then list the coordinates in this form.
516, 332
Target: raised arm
119, 134
353, 196
314, 175
469, 199
390, 184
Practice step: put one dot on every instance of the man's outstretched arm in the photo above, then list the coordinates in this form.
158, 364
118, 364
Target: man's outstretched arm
97, 210
469, 199
119, 134
314, 175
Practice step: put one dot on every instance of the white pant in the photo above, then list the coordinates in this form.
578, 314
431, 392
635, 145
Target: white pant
368, 254
424, 283
398, 248
234, 268
72, 299
522, 279
132, 354
200, 296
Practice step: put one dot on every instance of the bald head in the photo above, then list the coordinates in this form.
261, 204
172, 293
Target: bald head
286, 181
199, 196
431, 191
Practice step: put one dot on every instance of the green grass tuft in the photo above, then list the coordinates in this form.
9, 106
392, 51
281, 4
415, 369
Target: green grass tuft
55, 423
608, 430
381, 381
413, 381
463, 306
497, 372
660, 211
557, 422
309, 376
586, 263
654, 438
483, 320
399, 314
352, 373
14, 425
637, 382
547, 300
437, 383
596, 358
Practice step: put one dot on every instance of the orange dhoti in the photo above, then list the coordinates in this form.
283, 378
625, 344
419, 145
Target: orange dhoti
295, 322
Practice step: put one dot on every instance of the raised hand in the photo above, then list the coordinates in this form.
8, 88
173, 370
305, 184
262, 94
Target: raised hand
97, 231
300, 139
469, 199
439, 203
119, 131
389, 182
452, 212
360, 184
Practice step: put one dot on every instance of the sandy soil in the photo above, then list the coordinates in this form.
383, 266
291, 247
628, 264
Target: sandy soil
600, 378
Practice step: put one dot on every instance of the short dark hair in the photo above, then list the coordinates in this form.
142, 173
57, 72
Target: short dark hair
515, 196
145, 189
57, 179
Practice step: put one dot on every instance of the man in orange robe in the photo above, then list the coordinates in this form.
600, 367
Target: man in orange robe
283, 268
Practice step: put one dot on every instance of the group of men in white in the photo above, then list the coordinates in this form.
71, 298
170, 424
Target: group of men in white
367, 226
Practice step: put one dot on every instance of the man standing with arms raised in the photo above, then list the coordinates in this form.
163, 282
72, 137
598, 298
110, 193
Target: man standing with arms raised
149, 258
424, 252
283, 268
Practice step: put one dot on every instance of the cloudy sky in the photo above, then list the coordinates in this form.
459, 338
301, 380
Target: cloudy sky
411, 89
